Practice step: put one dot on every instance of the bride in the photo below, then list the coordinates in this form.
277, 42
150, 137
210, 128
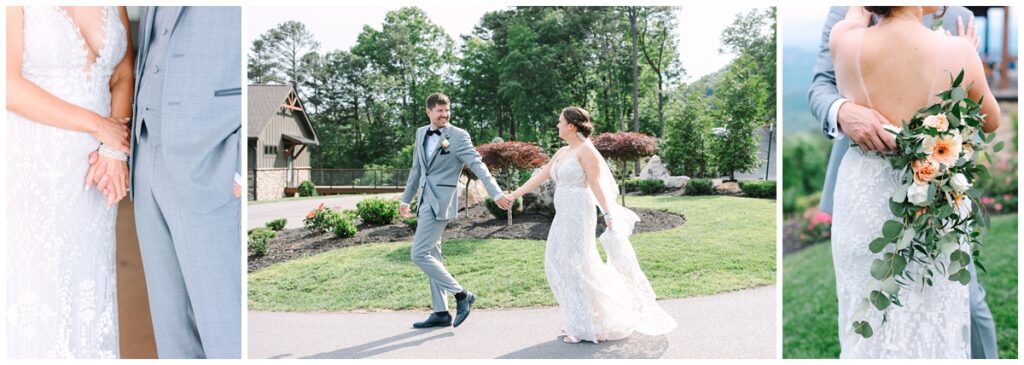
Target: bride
895, 68
69, 88
599, 301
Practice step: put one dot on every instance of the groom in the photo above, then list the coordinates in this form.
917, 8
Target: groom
843, 122
184, 181
439, 153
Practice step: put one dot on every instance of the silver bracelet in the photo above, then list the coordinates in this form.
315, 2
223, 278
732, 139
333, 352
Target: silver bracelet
109, 152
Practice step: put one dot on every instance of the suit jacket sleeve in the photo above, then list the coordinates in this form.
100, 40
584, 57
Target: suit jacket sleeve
469, 156
823, 91
413, 183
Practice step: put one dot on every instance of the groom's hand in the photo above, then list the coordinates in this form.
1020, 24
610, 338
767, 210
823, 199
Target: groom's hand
403, 210
504, 202
970, 33
864, 127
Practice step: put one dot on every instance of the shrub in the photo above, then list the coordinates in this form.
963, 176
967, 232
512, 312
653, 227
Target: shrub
259, 241
816, 226
378, 211
499, 213
319, 220
411, 222
758, 188
631, 185
651, 186
306, 188
350, 214
804, 163
698, 187
342, 227
277, 224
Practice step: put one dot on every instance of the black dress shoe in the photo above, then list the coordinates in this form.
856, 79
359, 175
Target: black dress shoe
462, 308
434, 321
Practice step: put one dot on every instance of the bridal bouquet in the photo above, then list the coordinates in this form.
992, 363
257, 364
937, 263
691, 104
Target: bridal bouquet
938, 216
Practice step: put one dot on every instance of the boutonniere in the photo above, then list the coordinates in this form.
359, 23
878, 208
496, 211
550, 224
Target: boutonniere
444, 143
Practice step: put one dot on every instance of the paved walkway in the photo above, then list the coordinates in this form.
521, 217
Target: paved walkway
295, 210
732, 325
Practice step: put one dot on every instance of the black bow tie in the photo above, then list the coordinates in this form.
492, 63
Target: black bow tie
434, 132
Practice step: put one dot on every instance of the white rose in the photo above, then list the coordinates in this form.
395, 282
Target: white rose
959, 182
917, 194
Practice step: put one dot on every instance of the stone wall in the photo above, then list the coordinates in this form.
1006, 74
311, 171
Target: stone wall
270, 183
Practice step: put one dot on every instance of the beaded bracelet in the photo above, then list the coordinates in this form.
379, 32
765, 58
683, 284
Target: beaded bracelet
107, 151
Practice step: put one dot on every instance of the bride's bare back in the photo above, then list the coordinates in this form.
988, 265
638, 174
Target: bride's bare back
897, 66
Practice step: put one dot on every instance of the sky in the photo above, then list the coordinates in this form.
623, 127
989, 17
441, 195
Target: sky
338, 27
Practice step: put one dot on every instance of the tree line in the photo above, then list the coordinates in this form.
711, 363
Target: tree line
515, 71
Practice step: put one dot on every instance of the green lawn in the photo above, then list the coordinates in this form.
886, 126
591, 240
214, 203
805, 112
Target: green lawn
727, 244
809, 295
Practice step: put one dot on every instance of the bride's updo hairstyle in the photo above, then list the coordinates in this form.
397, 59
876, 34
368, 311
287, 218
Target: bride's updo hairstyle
884, 11
881, 11
580, 118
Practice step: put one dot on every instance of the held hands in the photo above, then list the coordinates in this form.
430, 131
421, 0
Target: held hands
864, 126
505, 201
113, 132
110, 177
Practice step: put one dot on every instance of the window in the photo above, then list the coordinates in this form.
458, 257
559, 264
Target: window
270, 150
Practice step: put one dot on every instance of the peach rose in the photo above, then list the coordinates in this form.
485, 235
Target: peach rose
938, 121
924, 171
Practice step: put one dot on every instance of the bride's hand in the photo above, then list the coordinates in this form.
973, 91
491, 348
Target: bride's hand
113, 132
110, 176
609, 222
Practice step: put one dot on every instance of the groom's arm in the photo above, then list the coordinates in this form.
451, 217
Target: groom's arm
469, 156
413, 183
823, 94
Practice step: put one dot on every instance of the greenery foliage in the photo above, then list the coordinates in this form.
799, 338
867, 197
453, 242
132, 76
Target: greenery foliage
378, 211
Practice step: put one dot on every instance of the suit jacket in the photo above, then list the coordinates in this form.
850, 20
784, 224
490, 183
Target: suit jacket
201, 111
437, 177
823, 92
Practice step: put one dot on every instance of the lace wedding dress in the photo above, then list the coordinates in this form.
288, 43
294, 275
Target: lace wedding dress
934, 321
599, 301
61, 284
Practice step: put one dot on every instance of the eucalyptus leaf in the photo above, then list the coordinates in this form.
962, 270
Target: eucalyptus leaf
891, 228
878, 244
879, 300
862, 328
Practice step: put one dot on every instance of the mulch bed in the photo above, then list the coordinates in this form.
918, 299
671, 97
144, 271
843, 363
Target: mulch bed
300, 242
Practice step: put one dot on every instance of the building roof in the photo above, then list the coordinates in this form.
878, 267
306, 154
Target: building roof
264, 102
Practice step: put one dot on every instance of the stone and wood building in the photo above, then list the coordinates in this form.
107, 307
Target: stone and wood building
280, 134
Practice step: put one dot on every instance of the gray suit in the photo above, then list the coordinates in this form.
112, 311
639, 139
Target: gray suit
436, 177
822, 94
185, 152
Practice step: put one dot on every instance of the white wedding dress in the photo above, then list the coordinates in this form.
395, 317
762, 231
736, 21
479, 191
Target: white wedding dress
934, 321
61, 283
599, 301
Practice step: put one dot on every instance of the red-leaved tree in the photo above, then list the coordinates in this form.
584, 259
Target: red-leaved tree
506, 159
625, 147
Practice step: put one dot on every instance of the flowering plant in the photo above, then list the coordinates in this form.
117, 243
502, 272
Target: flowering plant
817, 226
938, 218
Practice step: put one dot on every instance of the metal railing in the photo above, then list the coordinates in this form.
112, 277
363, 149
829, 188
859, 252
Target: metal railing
359, 178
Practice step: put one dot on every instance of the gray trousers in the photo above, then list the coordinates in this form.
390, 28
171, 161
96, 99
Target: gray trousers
983, 327
192, 263
426, 254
